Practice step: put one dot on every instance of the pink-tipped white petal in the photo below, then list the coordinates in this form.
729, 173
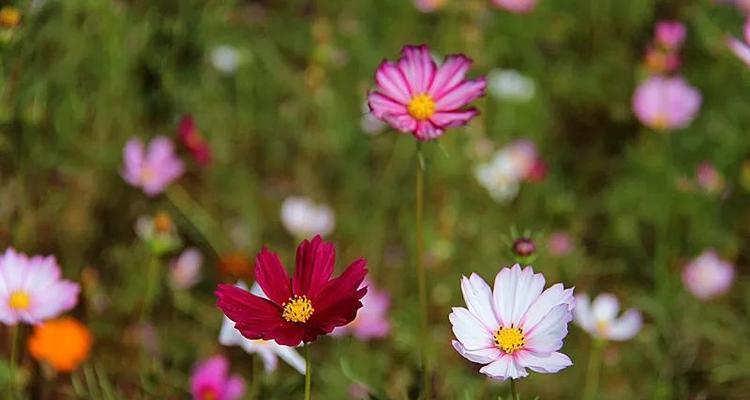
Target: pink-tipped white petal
504, 293
504, 368
550, 298
546, 363
480, 356
469, 330
547, 335
625, 327
478, 298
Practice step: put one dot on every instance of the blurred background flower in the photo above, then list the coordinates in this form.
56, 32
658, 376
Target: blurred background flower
62, 343
211, 381
708, 276
304, 218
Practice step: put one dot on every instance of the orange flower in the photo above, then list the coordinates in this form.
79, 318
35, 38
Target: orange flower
10, 17
236, 265
63, 343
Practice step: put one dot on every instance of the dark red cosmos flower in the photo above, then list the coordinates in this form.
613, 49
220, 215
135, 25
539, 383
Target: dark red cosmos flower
191, 138
301, 308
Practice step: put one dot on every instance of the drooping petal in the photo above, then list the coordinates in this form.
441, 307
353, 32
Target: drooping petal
478, 298
625, 327
404, 123
504, 368
315, 261
472, 334
392, 82
417, 65
461, 95
272, 277
546, 363
481, 356
450, 74
291, 357
426, 130
605, 307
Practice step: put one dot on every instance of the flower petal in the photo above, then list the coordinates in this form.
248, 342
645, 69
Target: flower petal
528, 288
426, 130
584, 317
461, 95
273, 279
315, 260
481, 356
338, 302
392, 82
478, 298
291, 357
546, 363
254, 317
449, 74
417, 65
504, 293
449, 119
504, 368
550, 298
626, 327
605, 307
381, 105
472, 334
547, 335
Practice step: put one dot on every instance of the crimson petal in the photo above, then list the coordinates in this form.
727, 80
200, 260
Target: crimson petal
315, 260
338, 302
272, 277
254, 316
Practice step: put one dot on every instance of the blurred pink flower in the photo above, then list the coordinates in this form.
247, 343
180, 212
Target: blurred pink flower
372, 319
210, 381
515, 326
708, 177
660, 61
741, 48
670, 34
600, 320
31, 290
151, 169
190, 137
665, 103
516, 6
560, 244
415, 95
184, 272
708, 276
429, 5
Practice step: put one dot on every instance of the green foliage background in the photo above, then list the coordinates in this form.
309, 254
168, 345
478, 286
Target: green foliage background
80, 77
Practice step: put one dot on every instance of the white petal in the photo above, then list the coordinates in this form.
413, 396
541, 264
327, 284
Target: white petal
548, 334
584, 317
290, 356
503, 368
626, 326
270, 361
478, 298
546, 363
549, 299
504, 293
467, 328
481, 356
605, 307
529, 287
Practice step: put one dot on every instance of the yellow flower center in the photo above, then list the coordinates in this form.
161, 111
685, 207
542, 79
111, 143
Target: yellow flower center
509, 339
297, 309
421, 106
19, 301
602, 327
660, 122
147, 175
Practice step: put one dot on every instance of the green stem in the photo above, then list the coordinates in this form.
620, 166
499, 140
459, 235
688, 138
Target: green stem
592, 375
422, 274
195, 215
513, 390
308, 371
12, 363
152, 276
255, 384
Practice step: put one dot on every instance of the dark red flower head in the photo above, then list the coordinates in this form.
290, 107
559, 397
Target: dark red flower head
191, 138
301, 308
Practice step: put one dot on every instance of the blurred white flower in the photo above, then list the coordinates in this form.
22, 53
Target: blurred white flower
225, 58
502, 175
508, 84
303, 218
184, 272
600, 320
268, 350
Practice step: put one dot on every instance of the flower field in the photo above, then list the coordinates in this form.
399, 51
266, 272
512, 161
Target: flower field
393, 199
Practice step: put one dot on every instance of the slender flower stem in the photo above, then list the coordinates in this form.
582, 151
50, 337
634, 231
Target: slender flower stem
513, 391
422, 274
308, 371
255, 384
12, 363
152, 276
592, 375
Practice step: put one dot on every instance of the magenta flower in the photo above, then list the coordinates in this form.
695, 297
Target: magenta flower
741, 48
670, 34
372, 319
415, 95
666, 103
31, 290
708, 276
210, 381
151, 169
708, 177
516, 6
190, 137
560, 244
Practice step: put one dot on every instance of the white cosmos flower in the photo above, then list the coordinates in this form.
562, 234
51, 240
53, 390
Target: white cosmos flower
303, 218
268, 350
600, 319
514, 326
508, 84
225, 59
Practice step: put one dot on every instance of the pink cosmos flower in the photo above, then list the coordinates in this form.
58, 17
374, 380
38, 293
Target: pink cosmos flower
372, 319
190, 137
666, 103
741, 48
600, 320
415, 95
516, 6
210, 381
184, 271
31, 290
708, 177
151, 169
560, 244
514, 326
708, 276
670, 34
429, 5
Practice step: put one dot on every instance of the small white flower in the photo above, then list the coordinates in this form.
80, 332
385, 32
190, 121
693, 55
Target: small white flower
303, 218
600, 320
268, 350
502, 175
225, 59
510, 85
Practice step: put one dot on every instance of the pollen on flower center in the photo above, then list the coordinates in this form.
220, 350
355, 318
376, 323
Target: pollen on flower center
421, 106
509, 339
297, 309
19, 300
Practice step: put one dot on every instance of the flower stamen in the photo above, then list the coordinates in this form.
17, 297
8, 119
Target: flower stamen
19, 300
509, 339
297, 309
421, 106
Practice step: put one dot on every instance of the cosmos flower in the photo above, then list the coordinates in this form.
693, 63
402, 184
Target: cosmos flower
151, 169
304, 218
666, 103
301, 308
511, 165
372, 319
184, 272
708, 276
31, 289
225, 59
508, 84
414, 95
516, 6
62, 343
741, 48
560, 244
670, 34
600, 320
268, 350
514, 326
210, 381
190, 137
428, 6
709, 178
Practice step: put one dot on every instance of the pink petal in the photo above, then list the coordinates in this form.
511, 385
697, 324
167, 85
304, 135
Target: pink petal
461, 95
382, 106
235, 388
740, 49
584, 317
481, 356
449, 119
450, 74
392, 82
549, 299
404, 123
529, 287
427, 131
417, 65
